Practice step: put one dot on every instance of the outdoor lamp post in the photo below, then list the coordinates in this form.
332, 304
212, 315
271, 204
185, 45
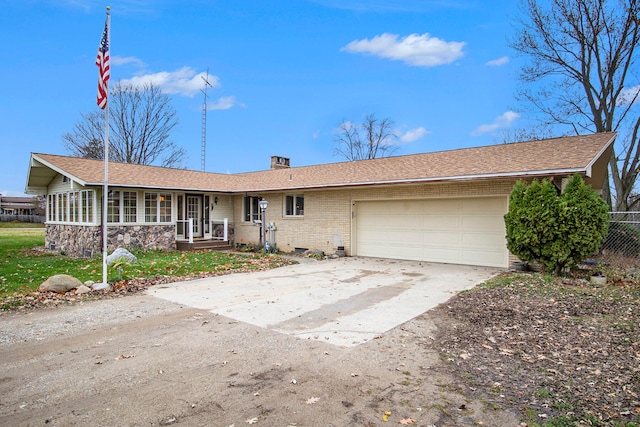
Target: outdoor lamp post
263, 208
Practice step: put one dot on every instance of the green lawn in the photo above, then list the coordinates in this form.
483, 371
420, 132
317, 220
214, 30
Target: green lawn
16, 224
24, 265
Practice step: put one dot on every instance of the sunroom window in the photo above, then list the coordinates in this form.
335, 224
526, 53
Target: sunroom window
157, 207
122, 206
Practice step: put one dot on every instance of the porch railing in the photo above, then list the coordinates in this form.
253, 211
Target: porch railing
219, 229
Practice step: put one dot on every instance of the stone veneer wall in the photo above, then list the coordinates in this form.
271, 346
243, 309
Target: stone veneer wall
86, 241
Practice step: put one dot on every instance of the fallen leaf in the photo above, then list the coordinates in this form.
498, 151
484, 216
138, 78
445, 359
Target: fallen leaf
407, 421
312, 400
122, 356
385, 417
253, 420
465, 356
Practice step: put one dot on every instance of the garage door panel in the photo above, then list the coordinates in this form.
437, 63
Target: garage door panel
490, 205
408, 252
482, 223
405, 222
378, 251
441, 238
462, 231
442, 206
442, 222
369, 221
376, 235
483, 240
407, 236
409, 207
449, 255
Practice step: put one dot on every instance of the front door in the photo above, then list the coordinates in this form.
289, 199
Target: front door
194, 211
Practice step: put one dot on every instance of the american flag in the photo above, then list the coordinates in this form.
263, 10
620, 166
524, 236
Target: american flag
102, 61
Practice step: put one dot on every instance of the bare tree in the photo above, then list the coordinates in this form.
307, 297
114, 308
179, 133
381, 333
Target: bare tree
140, 122
582, 76
508, 136
371, 139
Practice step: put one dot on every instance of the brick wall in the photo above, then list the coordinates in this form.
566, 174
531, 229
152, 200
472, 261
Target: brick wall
327, 216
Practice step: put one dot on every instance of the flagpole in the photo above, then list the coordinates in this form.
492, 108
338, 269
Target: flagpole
105, 195
105, 187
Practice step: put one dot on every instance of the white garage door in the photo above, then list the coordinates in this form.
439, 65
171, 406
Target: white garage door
459, 231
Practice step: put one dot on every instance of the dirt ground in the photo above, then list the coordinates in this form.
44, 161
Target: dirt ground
142, 361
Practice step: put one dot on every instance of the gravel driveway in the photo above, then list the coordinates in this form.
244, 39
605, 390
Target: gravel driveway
146, 361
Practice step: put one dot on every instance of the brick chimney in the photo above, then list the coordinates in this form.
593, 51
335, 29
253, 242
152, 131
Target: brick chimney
279, 162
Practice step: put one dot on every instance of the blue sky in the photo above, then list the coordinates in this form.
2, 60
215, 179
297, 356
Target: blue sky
285, 74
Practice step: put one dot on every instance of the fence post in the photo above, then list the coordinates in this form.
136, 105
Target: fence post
226, 230
190, 230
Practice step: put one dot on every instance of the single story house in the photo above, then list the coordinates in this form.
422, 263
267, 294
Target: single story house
445, 206
28, 206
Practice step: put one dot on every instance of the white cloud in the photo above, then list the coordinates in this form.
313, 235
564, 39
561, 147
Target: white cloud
122, 60
414, 49
185, 81
316, 134
627, 96
413, 135
224, 103
498, 62
502, 121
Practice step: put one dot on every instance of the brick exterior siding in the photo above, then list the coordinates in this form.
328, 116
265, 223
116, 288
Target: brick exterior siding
328, 213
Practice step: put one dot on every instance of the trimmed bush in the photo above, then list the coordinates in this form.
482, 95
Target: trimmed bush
557, 231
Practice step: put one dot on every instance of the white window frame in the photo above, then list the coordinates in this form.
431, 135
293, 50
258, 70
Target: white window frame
122, 214
71, 207
161, 204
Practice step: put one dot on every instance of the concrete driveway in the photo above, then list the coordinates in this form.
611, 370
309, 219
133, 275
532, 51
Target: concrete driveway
344, 301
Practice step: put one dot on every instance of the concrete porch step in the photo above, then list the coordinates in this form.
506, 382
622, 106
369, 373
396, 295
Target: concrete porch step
218, 245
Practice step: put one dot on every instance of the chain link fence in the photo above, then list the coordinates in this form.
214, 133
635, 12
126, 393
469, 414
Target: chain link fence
622, 245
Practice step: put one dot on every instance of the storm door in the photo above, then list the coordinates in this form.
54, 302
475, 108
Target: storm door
194, 211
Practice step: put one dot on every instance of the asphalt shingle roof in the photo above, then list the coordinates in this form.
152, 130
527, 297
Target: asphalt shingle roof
549, 156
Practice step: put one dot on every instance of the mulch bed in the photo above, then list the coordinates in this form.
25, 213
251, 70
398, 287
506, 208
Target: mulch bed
555, 350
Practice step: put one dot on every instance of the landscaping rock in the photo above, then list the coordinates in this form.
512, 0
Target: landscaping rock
60, 283
82, 289
121, 253
100, 286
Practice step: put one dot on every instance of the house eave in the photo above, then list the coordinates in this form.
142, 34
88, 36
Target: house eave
408, 181
161, 188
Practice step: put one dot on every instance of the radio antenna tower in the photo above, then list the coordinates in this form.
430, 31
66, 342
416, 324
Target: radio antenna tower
204, 119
